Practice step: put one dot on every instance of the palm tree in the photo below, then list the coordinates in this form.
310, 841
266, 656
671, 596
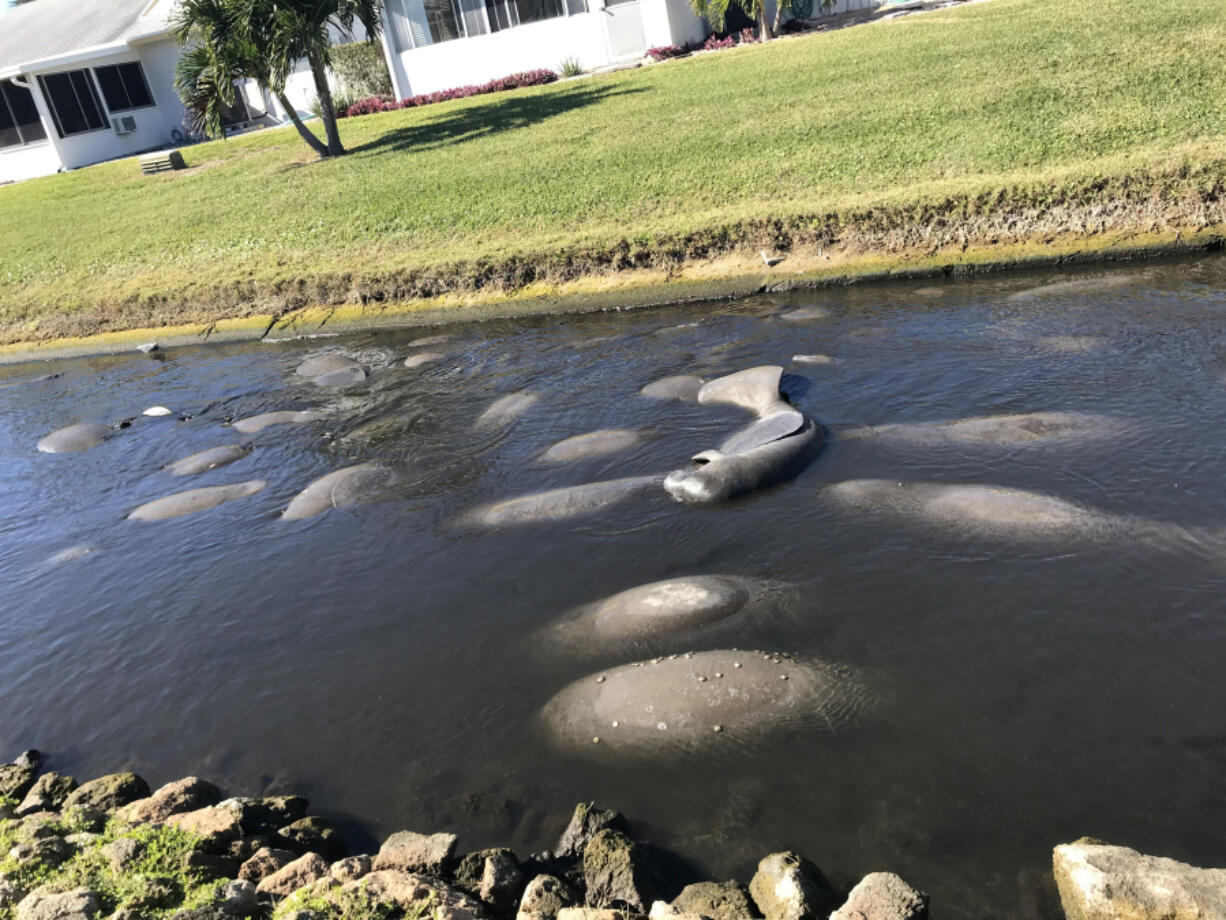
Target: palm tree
263, 40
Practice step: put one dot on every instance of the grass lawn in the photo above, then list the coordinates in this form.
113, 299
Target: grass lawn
963, 100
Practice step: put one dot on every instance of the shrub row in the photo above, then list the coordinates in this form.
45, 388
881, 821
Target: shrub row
387, 104
714, 43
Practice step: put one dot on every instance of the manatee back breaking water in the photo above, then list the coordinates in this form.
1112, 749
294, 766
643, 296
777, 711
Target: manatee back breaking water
387, 655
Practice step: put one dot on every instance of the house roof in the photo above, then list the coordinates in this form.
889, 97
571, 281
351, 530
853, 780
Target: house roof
47, 29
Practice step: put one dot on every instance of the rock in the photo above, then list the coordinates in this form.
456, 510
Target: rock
505, 410
338, 489
152, 892
317, 835
238, 898
789, 887
471, 868
47, 794
502, 882
244, 848
210, 865
269, 814
74, 438
17, 778
107, 793
207, 912
84, 817
883, 896
123, 853
593, 913
292, 876
683, 388
82, 839
127, 913
41, 904
264, 420
38, 826
662, 910
585, 823
618, 874
544, 897
412, 852
10, 894
1098, 881
407, 891
216, 825
207, 460
42, 852
350, 868
298, 915
184, 795
264, 862
148, 348
193, 501
718, 901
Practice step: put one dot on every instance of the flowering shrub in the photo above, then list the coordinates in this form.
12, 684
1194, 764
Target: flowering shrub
388, 104
748, 37
664, 52
716, 44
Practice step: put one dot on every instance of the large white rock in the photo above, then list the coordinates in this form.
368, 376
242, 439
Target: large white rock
883, 896
699, 700
1102, 882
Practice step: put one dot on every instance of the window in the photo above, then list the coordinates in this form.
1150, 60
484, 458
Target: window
19, 121
124, 86
423, 22
74, 102
536, 10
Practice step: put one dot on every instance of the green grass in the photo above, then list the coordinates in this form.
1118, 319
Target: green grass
961, 100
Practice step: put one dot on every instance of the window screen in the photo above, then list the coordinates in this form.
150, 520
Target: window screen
124, 86
74, 102
19, 121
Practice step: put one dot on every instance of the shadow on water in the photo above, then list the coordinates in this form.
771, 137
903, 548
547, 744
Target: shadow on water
493, 117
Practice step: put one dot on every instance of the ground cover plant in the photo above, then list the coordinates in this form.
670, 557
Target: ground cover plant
975, 116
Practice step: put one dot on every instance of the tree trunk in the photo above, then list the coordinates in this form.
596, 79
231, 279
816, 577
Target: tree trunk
303, 131
324, 92
779, 5
764, 27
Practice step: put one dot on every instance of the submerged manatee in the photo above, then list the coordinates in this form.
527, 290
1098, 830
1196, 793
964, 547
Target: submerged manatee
430, 340
331, 370
700, 701
207, 460
193, 500
505, 410
681, 388
775, 448
643, 616
74, 438
1022, 428
425, 357
267, 419
813, 359
336, 490
71, 554
560, 504
592, 444
805, 314
1076, 286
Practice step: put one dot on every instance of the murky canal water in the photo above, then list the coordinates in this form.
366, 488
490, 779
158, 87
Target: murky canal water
384, 658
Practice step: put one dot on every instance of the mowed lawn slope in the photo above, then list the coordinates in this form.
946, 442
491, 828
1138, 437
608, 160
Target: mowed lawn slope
973, 97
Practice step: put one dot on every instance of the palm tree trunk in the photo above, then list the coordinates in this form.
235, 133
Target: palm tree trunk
764, 27
303, 131
779, 5
326, 111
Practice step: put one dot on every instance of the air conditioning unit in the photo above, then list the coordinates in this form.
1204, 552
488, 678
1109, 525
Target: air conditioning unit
124, 124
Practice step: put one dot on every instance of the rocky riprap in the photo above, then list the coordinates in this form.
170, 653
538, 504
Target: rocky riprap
113, 848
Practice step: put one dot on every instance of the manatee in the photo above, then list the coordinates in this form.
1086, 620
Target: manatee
74, 438
335, 490
425, 357
560, 504
987, 510
1071, 344
331, 370
805, 314
700, 701
193, 500
769, 451
642, 616
929, 292
812, 359
506, 409
681, 388
157, 412
1076, 286
430, 340
592, 444
71, 554
206, 460
1019, 429
266, 419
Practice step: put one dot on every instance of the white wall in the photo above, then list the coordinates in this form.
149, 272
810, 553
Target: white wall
462, 61
17, 163
671, 22
159, 58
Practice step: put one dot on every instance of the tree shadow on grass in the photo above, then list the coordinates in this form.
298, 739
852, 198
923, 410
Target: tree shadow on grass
487, 119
